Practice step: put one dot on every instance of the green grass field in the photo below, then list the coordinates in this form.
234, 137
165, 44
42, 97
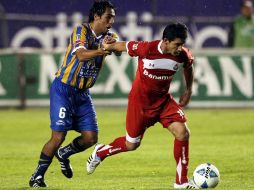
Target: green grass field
222, 137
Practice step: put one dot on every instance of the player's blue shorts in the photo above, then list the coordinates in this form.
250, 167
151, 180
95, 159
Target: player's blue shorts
71, 108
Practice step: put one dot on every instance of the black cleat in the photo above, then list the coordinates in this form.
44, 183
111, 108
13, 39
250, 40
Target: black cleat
37, 182
65, 165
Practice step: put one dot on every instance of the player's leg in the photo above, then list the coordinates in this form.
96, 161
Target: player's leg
181, 150
79, 144
173, 118
181, 155
61, 122
120, 144
46, 156
101, 151
84, 121
135, 130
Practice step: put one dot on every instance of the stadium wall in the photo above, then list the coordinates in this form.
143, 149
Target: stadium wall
223, 78
47, 24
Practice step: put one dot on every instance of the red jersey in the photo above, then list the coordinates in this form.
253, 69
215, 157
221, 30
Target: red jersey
155, 72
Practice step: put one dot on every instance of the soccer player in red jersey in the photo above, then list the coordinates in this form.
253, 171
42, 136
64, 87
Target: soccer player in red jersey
149, 99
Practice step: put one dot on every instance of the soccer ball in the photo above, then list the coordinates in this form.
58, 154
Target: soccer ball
206, 176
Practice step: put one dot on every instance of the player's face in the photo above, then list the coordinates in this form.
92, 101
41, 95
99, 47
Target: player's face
106, 21
173, 47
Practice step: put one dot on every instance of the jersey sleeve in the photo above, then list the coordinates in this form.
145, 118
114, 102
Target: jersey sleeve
78, 38
115, 36
137, 48
188, 58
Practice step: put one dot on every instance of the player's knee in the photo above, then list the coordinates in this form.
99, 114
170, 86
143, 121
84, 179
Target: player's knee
88, 139
132, 146
180, 131
187, 134
183, 134
57, 138
88, 142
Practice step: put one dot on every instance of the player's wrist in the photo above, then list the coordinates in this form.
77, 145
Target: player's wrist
108, 47
103, 51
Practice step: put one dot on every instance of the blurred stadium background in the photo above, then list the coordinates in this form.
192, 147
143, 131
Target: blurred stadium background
34, 34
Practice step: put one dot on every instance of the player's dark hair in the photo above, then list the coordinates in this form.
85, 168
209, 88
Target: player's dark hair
175, 30
99, 8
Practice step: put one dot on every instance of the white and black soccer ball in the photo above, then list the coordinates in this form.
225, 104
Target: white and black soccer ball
206, 176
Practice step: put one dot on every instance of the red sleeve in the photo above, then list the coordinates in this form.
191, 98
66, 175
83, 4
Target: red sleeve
138, 48
188, 58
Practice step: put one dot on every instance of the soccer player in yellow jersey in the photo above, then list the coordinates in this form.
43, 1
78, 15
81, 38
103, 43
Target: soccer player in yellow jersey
71, 106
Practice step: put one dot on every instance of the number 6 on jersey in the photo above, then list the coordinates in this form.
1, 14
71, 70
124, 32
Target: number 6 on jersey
62, 112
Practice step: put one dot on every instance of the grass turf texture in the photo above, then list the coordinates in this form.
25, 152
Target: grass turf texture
222, 137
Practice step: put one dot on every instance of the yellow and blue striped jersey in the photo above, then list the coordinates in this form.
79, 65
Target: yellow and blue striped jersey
82, 75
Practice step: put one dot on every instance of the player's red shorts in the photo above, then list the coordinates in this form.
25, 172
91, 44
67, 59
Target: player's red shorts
139, 119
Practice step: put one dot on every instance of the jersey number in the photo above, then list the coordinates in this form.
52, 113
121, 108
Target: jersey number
180, 113
62, 112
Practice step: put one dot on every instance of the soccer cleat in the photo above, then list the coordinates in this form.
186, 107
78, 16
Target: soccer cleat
65, 165
37, 182
93, 161
189, 185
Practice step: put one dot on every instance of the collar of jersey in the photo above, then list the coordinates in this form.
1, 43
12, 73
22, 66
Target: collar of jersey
159, 47
97, 37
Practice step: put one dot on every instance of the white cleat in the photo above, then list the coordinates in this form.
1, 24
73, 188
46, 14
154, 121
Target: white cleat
93, 161
189, 185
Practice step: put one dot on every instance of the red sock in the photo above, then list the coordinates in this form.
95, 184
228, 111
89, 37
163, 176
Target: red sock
181, 154
117, 146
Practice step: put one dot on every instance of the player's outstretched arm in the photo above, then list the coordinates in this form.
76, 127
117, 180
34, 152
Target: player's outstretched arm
111, 40
185, 97
117, 46
86, 54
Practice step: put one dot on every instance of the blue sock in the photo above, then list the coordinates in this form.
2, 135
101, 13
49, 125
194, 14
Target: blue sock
70, 149
43, 165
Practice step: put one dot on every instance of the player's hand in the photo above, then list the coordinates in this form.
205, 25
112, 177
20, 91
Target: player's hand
103, 51
109, 40
105, 46
185, 98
